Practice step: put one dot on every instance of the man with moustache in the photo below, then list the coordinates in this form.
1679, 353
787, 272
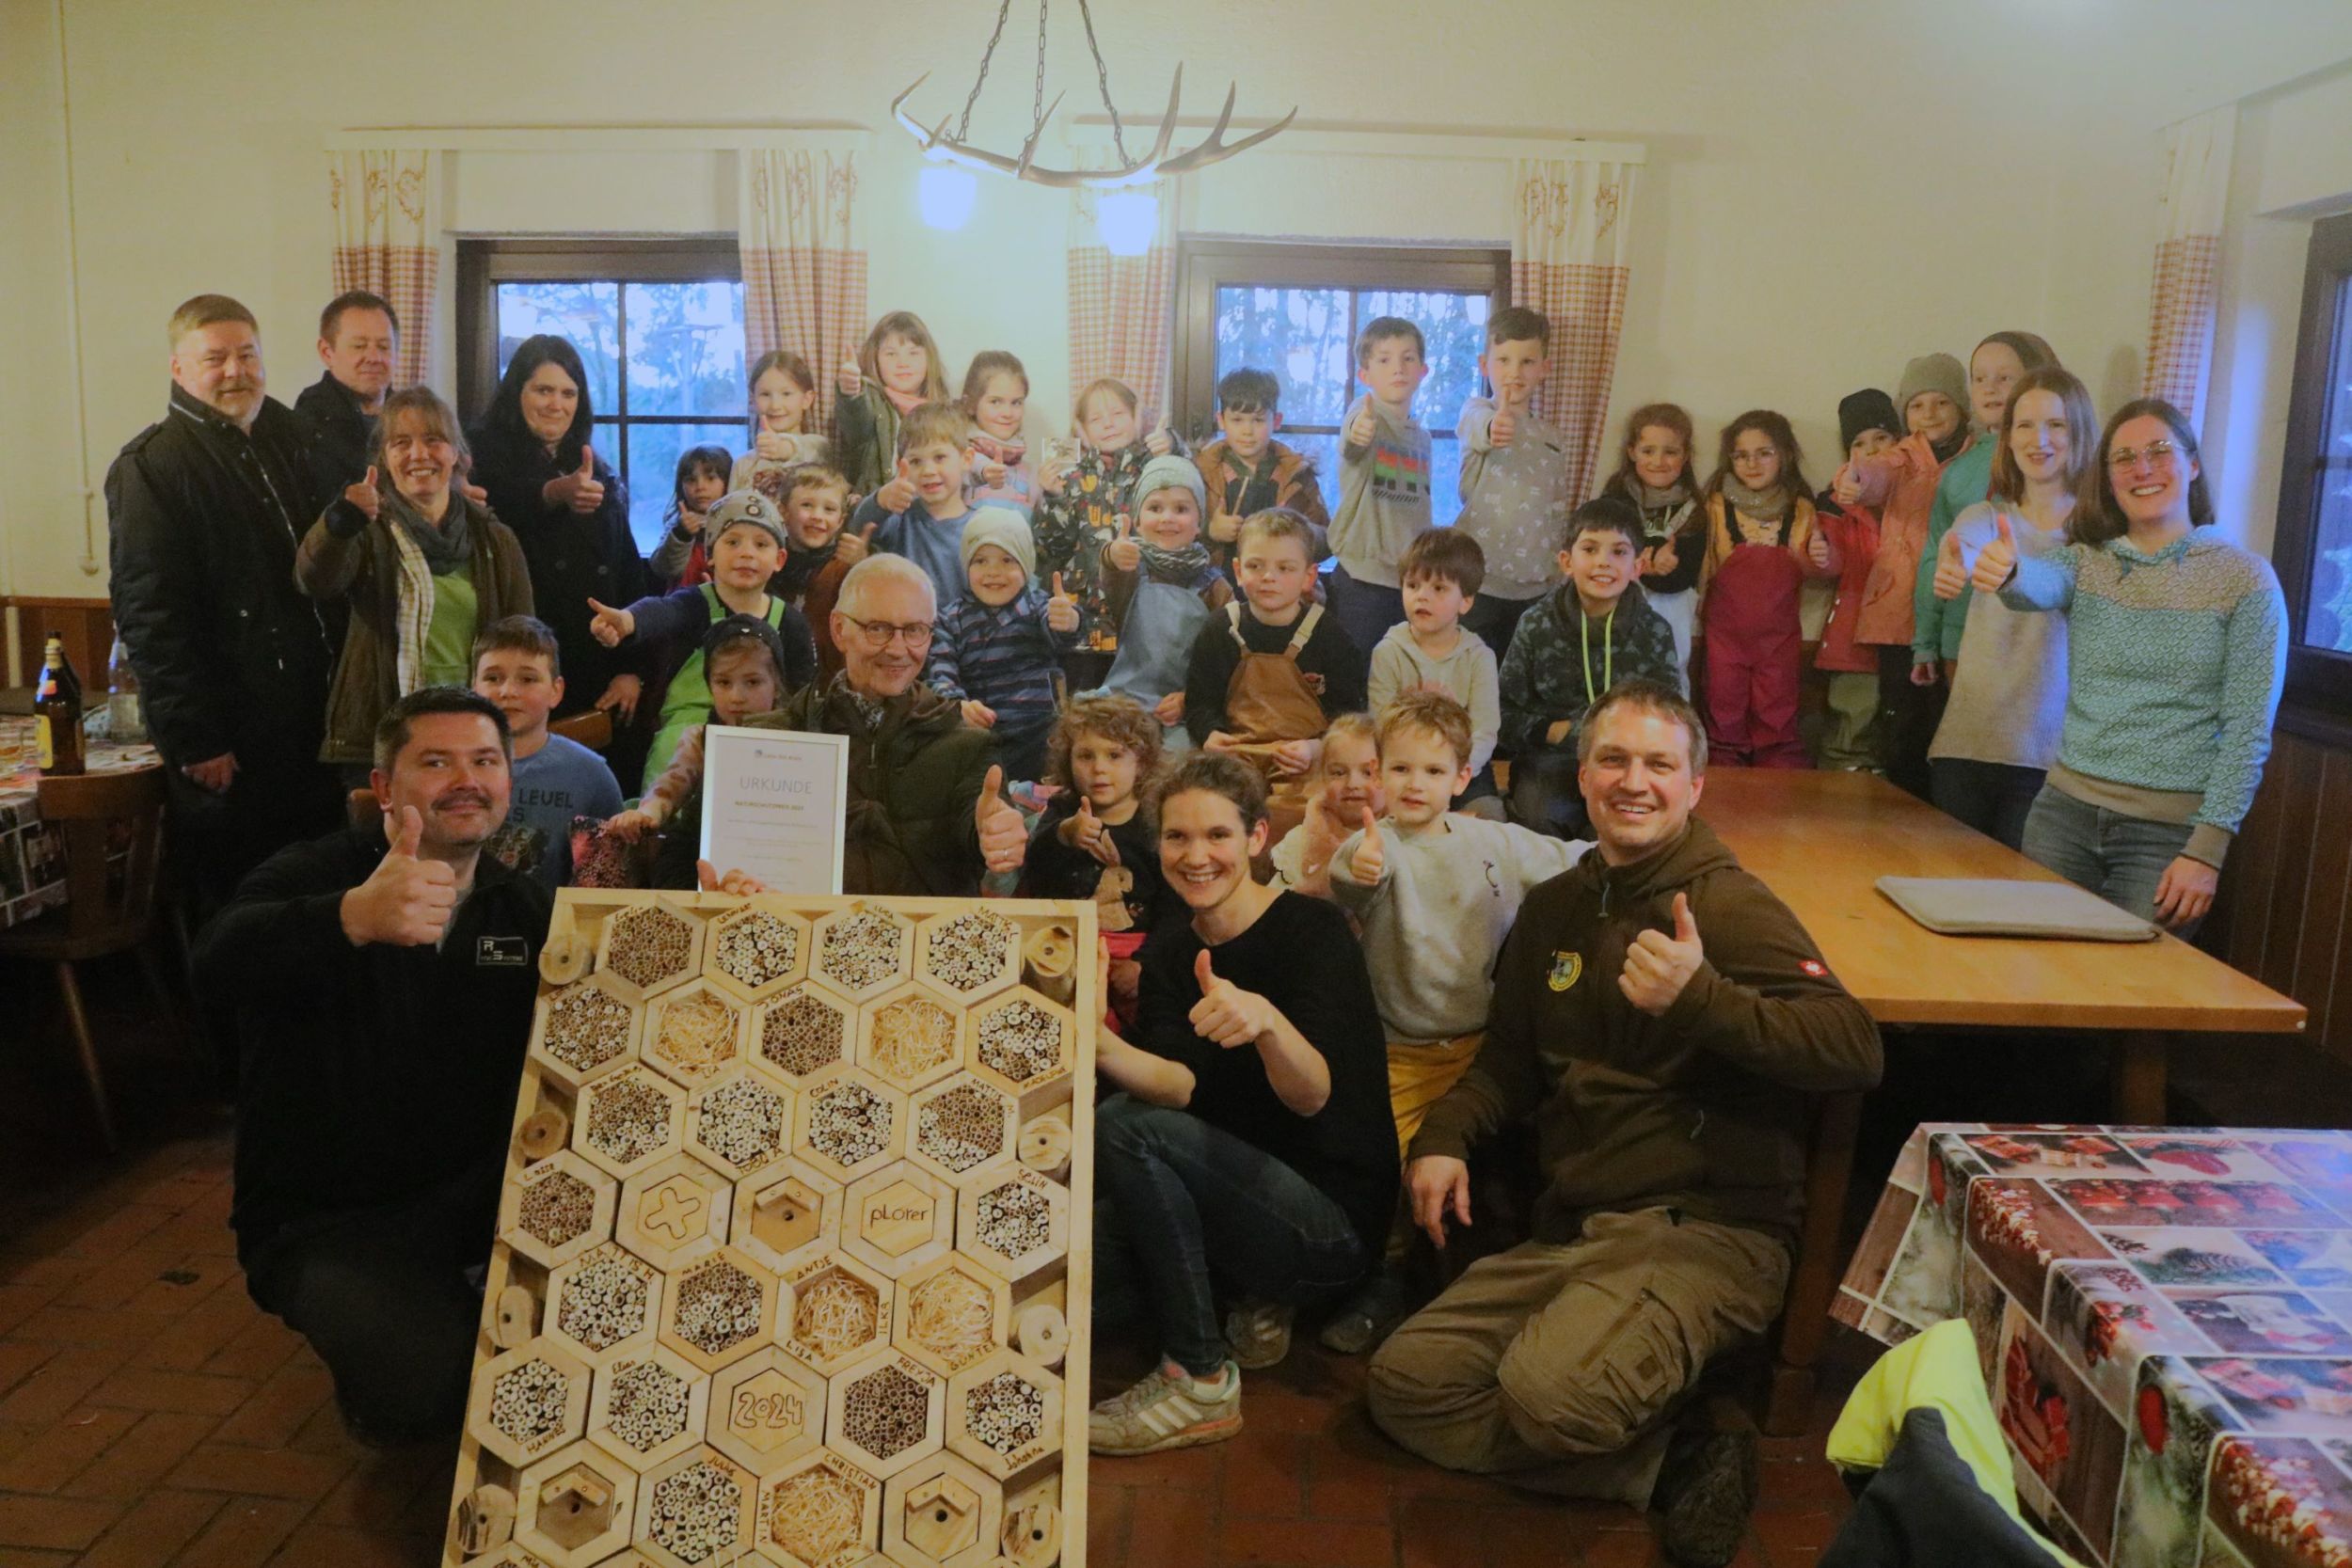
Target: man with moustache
205, 509
358, 335
1662, 1019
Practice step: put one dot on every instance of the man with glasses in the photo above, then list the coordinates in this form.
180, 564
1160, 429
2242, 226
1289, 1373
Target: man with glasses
925, 814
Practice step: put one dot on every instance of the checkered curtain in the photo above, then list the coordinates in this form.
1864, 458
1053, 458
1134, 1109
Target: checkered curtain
2185, 293
804, 269
387, 241
1121, 306
1568, 253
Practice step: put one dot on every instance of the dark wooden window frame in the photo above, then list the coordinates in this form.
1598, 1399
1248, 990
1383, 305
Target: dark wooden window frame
483, 264
1204, 264
2318, 699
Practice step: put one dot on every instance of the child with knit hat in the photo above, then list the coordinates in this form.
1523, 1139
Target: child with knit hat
999, 649
1866, 425
1900, 483
1160, 587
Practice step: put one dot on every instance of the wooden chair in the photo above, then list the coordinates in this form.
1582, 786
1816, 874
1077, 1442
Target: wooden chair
111, 827
361, 808
593, 729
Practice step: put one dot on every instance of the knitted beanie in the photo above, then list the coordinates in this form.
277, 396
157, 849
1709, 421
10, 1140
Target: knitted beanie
1933, 372
745, 508
1868, 409
1003, 527
1170, 472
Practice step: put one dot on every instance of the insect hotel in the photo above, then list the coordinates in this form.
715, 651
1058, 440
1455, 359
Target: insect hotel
785, 1269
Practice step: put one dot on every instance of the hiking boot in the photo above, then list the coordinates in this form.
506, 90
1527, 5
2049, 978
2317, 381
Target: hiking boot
1369, 1317
1168, 1409
1706, 1492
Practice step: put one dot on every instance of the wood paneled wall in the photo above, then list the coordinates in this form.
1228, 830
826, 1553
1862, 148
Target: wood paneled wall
2285, 905
88, 626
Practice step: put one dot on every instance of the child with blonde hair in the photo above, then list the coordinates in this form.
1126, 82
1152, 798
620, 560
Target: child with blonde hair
784, 396
896, 372
995, 399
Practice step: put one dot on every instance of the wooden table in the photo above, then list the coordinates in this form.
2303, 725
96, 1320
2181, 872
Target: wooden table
1820, 841
32, 863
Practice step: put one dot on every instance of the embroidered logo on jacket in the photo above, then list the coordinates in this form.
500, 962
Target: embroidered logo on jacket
1566, 969
502, 952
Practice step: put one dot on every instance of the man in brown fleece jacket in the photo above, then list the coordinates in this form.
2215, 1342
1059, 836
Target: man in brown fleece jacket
1662, 1017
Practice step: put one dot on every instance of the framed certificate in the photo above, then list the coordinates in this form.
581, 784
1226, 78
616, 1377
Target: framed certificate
774, 803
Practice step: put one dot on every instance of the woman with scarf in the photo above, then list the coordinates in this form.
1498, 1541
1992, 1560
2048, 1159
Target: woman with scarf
422, 566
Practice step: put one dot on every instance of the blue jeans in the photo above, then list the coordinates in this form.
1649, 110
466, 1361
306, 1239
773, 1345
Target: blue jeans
2120, 858
1365, 610
1166, 1181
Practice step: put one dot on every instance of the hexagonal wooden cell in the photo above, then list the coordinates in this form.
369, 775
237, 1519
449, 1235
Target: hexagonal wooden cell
1005, 1414
969, 954
674, 1211
694, 1033
840, 1312
898, 1218
949, 1313
646, 949
721, 1307
818, 1511
910, 1037
758, 950
647, 1407
575, 1507
786, 1214
695, 1510
848, 1124
942, 1513
554, 1210
1031, 1534
766, 1411
629, 1121
863, 951
1022, 1043
603, 1304
527, 1403
1015, 1222
962, 1128
583, 1031
740, 1121
807, 1030
885, 1413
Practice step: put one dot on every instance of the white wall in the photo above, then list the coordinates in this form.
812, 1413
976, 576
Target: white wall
1832, 187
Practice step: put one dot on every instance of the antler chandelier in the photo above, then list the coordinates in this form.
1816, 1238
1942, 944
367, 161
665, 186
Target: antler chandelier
942, 148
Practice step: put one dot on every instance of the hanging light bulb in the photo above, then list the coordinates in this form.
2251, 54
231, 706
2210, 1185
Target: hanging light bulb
1127, 221
946, 194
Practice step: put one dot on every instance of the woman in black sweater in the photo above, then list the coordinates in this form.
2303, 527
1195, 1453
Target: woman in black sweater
1255, 1111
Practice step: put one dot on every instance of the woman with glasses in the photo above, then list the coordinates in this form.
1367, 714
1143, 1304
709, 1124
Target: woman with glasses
2176, 652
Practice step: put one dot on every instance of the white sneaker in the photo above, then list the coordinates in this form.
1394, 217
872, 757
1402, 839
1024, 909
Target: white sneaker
1168, 1409
1259, 1333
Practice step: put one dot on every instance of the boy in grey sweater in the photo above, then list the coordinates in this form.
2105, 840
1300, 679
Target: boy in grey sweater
1436, 892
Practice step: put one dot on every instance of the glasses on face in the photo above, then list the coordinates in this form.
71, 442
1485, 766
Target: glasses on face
878, 635
2156, 452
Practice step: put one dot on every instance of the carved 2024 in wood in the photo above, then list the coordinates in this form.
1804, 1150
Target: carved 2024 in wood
791, 1264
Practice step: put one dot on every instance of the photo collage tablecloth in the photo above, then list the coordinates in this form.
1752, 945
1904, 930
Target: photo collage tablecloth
32, 860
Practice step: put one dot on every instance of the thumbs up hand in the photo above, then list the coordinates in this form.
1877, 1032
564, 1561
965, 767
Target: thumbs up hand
851, 548
1361, 425
1664, 559
1160, 442
363, 495
1227, 1015
1846, 489
1088, 833
1367, 864
1124, 552
406, 901
1061, 611
1658, 966
1950, 574
609, 627
1817, 546
897, 496
1504, 426
1002, 842
577, 491
1224, 527
1997, 561
852, 381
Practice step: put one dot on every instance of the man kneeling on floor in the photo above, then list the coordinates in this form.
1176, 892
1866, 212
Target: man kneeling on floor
1662, 1017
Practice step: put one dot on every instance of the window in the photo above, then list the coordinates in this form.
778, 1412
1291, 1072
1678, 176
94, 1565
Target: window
1295, 309
2313, 545
660, 330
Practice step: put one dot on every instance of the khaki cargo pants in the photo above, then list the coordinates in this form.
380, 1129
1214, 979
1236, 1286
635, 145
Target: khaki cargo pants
1555, 1365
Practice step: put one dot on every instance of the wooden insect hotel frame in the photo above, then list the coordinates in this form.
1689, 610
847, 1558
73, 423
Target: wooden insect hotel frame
793, 1264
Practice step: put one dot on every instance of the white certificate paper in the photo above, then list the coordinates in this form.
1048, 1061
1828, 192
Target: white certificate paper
774, 803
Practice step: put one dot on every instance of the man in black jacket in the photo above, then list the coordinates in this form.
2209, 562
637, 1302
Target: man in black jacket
358, 336
384, 1000
205, 509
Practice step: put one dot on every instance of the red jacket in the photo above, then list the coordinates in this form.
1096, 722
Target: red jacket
1900, 483
1855, 532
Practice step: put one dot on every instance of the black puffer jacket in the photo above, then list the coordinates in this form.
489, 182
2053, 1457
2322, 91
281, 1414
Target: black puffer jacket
204, 521
343, 439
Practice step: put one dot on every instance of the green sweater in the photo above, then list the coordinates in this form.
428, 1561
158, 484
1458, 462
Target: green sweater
1936, 624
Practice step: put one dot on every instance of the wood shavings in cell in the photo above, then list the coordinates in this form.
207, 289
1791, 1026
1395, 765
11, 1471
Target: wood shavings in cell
801, 1035
1021, 1041
527, 1404
718, 1306
645, 946
697, 1033
954, 1317
1015, 1220
913, 1036
886, 1412
1006, 1412
817, 1515
695, 1512
606, 1300
757, 949
587, 1027
848, 1123
629, 1118
835, 1313
557, 1209
647, 1406
962, 1128
863, 951
970, 950
743, 1123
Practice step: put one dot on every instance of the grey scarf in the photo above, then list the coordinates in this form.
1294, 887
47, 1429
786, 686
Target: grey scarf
1772, 503
445, 548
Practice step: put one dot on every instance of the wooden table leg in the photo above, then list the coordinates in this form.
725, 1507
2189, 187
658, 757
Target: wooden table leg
2136, 1085
1813, 1279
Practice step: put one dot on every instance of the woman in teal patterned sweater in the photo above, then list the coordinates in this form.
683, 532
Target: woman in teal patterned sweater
2177, 650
